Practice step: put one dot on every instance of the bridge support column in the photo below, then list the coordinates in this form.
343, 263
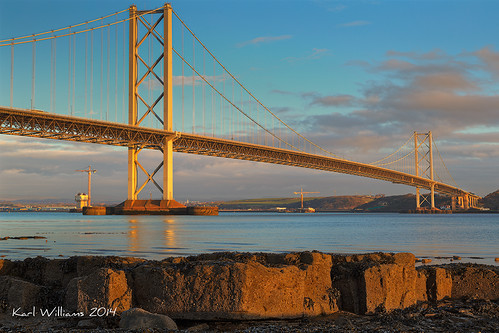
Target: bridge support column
466, 200
418, 199
149, 108
432, 194
430, 144
132, 101
167, 104
132, 174
423, 161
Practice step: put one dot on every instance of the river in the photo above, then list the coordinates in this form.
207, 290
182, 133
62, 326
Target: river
474, 237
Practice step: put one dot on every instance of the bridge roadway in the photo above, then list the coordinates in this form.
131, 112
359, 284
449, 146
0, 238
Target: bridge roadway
41, 124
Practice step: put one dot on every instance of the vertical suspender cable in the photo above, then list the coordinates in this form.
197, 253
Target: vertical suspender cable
204, 89
33, 76
12, 75
149, 81
232, 114
74, 72
86, 51
91, 73
193, 87
51, 74
101, 70
222, 106
213, 113
183, 78
54, 90
125, 93
251, 126
69, 74
107, 72
240, 122
116, 73
273, 129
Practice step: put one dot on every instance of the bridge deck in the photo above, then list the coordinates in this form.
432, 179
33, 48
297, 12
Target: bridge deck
52, 126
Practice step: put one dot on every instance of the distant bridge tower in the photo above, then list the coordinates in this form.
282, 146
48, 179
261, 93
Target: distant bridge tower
423, 157
165, 115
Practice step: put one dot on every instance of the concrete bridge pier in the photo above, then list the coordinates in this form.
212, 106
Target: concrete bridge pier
464, 202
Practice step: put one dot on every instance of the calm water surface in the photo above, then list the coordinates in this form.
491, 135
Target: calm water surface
156, 237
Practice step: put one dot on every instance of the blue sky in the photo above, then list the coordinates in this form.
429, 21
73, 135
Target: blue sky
355, 76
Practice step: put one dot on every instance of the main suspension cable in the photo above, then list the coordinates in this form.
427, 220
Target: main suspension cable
6, 41
256, 99
231, 103
384, 158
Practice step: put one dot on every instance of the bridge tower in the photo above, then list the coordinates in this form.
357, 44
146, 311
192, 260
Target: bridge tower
423, 157
165, 79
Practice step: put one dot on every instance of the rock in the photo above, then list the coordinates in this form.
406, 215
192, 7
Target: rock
438, 284
198, 328
6, 266
211, 287
140, 319
456, 258
87, 323
404, 259
389, 287
86, 265
58, 272
318, 295
19, 294
366, 286
104, 288
496, 259
475, 281
426, 261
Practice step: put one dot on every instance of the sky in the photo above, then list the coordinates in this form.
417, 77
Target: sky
356, 77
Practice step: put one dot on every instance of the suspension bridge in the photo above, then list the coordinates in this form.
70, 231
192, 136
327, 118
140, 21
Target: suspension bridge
124, 80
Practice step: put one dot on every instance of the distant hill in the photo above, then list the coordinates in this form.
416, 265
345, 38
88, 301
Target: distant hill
319, 203
368, 203
397, 203
491, 200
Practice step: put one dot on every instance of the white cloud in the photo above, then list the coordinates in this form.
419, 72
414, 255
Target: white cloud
265, 39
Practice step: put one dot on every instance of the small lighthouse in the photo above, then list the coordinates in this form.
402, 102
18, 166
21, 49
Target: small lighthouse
81, 200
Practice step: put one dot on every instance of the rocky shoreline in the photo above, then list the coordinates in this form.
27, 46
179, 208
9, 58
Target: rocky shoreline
248, 292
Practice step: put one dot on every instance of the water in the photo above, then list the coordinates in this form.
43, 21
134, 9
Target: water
157, 237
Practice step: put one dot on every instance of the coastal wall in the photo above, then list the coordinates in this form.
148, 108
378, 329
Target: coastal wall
239, 286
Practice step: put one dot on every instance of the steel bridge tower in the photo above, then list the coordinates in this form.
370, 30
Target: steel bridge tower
423, 157
163, 21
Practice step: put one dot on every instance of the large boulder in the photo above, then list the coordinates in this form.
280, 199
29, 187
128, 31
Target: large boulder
105, 288
438, 284
378, 282
474, 281
136, 318
252, 287
18, 294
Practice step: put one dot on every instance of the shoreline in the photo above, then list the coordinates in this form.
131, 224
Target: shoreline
230, 291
